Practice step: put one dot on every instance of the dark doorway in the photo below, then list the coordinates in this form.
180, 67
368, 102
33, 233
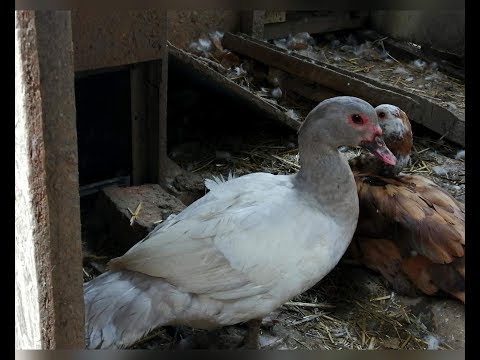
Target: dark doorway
103, 126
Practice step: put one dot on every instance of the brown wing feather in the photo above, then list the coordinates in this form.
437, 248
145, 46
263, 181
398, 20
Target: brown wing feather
384, 256
432, 221
416, 268
430, 277
412, 232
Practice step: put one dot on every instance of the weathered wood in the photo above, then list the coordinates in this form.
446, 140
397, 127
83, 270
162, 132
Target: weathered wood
160, 168
314, 24
148, 83
240, 92
314, 72
312, 91
49, 310
420, 109
112, 212
398, 49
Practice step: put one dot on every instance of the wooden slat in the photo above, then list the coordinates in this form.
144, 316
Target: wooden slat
420, 110
153, 119
396, 48
242, 93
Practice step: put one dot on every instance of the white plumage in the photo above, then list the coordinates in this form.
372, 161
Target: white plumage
246, 247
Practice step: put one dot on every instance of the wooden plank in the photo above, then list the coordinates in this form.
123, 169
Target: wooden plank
49, 308
324, 75
314, 24
398, 49
203, 70
312, 91
148, 86
420, 109
159, 168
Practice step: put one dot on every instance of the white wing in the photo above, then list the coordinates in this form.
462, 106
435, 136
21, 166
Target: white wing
226, 245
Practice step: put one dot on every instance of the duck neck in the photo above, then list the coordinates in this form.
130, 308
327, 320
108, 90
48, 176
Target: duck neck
325, 176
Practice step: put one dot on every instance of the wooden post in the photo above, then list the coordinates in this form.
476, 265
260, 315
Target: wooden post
149, 82
139, 130
49, 310
163, 160
153, 119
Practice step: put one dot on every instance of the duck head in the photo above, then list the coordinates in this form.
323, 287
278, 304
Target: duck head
345, 120
397, 133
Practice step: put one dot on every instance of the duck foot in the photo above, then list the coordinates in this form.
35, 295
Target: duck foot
251, 340
194, 341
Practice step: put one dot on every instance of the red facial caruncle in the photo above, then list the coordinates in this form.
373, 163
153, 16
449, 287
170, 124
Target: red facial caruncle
360, 120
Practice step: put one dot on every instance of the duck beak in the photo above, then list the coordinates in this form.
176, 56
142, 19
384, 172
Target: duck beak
378, 148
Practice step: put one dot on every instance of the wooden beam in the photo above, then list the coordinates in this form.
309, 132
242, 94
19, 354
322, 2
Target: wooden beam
399, 49
419, 109
49, 309
139, 130
314, 24
197, 65
311, 91
321, 74
153, 69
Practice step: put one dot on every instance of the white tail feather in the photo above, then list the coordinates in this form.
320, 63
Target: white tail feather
215, 181
123, 306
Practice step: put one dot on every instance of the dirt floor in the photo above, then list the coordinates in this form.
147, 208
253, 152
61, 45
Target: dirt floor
348, 309
351, 308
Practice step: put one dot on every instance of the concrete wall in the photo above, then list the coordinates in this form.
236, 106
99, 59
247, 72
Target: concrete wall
124, 37
114, 38
185, 26
440, 29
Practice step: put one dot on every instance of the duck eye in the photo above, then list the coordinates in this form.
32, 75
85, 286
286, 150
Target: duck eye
381, 114
357, 119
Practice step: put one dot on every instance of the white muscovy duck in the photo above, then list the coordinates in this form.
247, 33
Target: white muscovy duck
245, 248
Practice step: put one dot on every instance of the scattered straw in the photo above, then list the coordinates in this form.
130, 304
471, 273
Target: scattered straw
310, 305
